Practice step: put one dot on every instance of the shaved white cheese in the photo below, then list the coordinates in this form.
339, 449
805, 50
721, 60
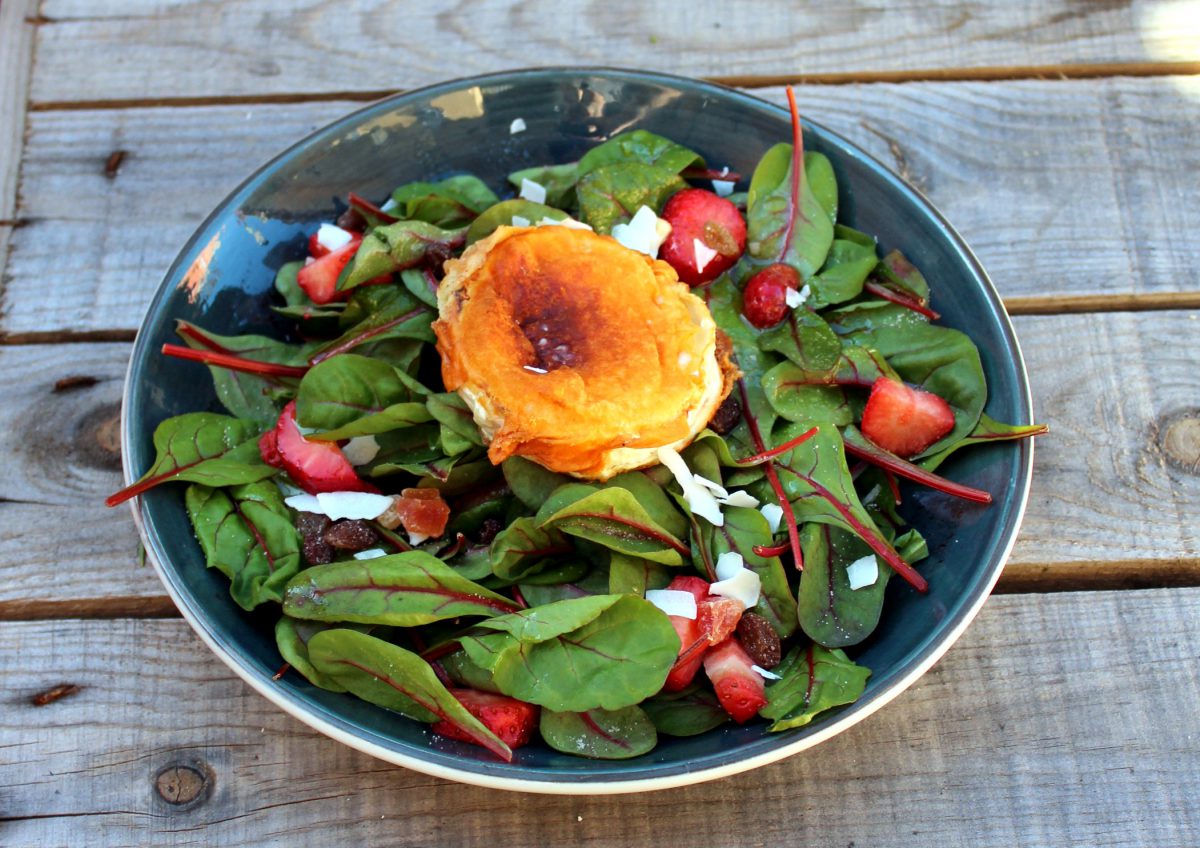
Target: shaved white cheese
517, 126
332, 237
723, 188
863, 572
415, 539
794, 298
762, 672
716, 488
744, 499
535, 369
773, 513
644, 233
724, 170
729, 564
533, 191
699, 499
569, 223
745, 586
673, 602
389, 205
704, 254
356, 505
370, 553
360, 450
520, 221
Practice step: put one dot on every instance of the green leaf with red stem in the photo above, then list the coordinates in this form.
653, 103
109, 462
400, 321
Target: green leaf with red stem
375, 314
988, 430
394, 247
600, 734
860, 446
830, 612
201, 447
633, 575
502, 214
522, 548
643, 147
292, 636
744, 529
351, 395
789, 515
404, 590
246, 533
613, 193
843, 275
396, 679
815, 679
898, 280
557, 180
689, 712
819, 487
614, 519
453, 202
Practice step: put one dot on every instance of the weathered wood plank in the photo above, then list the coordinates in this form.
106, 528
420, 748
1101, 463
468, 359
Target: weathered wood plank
1063, 189
237, 48
16, 60
1116, 484
1085, 736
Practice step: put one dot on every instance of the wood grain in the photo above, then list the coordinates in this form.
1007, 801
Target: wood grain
1085, 736
153, 49
16, 60
1114, 497
1064, 189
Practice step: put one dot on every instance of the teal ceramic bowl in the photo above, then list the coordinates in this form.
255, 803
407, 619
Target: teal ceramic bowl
223, 278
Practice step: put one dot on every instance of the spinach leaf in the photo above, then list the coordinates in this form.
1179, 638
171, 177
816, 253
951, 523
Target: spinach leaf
633, 575
777, 230
523, 548
689, 712
725, 303
986, 431
406, 590
743, 529
613, 518
599, 734
640, 146
399, 680
805, 339
375, 314
531, 483
611, 194
651, 497
350, 395
452, 412
558, 180
395, 247
841, 278
421, 284
450, 203
796, 400
604, 651
247, 534
815, 679
502, 214
830, 612
291, 637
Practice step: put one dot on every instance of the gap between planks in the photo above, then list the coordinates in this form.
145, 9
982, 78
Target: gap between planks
1025, 578
1055, 305
751, 81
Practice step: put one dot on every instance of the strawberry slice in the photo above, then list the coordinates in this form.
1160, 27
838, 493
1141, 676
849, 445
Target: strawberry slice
314, 466
903, 419
692, 641
512, 720
696, 215
739, 687
315, 249
319, 278
688, 583
718, 617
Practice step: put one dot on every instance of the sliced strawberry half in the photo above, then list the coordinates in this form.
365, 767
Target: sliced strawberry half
708, 235
903, 419
740, 689
688, 583
718, 617
692, 640
314, 466
512, 720
319, 278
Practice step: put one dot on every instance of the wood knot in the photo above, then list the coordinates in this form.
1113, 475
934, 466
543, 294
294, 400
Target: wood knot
184, 784
98, 437
1180, 441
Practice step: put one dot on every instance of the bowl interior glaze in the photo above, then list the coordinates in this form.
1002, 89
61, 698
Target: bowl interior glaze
222, 278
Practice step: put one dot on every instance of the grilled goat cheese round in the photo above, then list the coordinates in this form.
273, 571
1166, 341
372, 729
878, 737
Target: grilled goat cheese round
576, 352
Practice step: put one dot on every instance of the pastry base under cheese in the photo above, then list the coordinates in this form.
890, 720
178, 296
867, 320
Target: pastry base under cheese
576, 352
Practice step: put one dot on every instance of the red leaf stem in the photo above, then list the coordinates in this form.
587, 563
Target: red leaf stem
895, 465
234, 363
760, 458
797, 210
900, 299
788, 515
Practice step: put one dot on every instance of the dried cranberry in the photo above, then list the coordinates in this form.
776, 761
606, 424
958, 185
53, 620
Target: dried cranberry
351, 535
764, 300
760, 640
727, 416
352, 220
312, 527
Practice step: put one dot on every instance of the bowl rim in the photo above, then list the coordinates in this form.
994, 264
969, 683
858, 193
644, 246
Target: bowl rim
580, 783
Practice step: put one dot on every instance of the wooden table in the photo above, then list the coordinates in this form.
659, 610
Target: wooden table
1060, 137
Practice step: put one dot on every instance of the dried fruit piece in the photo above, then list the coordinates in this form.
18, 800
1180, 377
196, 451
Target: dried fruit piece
760, 640
351, 535
312, 527
423, 512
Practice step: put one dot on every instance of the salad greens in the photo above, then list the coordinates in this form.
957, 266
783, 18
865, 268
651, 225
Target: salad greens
533, 585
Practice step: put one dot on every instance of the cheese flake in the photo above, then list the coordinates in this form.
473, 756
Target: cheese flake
673, 602
644, 233
773, 513
533, 191
360, 450
333, 237
370, 553
699, 499
742, 499
517, 126
729, 564
704, 254
723, 188
568, 222
744, 586
863, 572
520, 221
762, 672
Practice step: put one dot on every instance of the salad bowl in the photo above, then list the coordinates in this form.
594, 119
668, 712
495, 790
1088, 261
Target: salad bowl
491, 126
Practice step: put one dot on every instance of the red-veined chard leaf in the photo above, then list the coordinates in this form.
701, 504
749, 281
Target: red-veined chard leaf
988, 430
406, 590
253, 397
805, 339
450, 203
860, 446
531, 483
351, 395
640, 146
815, 679
612, 194
396, 679
613, 518
557, 180
633, 575
830, 612
816, 480
576, 580
522, 548
377, 314
463, 672
841, 278
502, 214
407, 450
246, 533
798, 401
604, 651
743, 529
777, 231
456, 418
421, 284
394, 247
201, 447
651, 497
599, 734
689, 712
291, 637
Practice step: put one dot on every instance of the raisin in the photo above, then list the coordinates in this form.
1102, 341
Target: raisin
727, 416
351, 535
760, 640
312, 528
488, 530
352, 220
